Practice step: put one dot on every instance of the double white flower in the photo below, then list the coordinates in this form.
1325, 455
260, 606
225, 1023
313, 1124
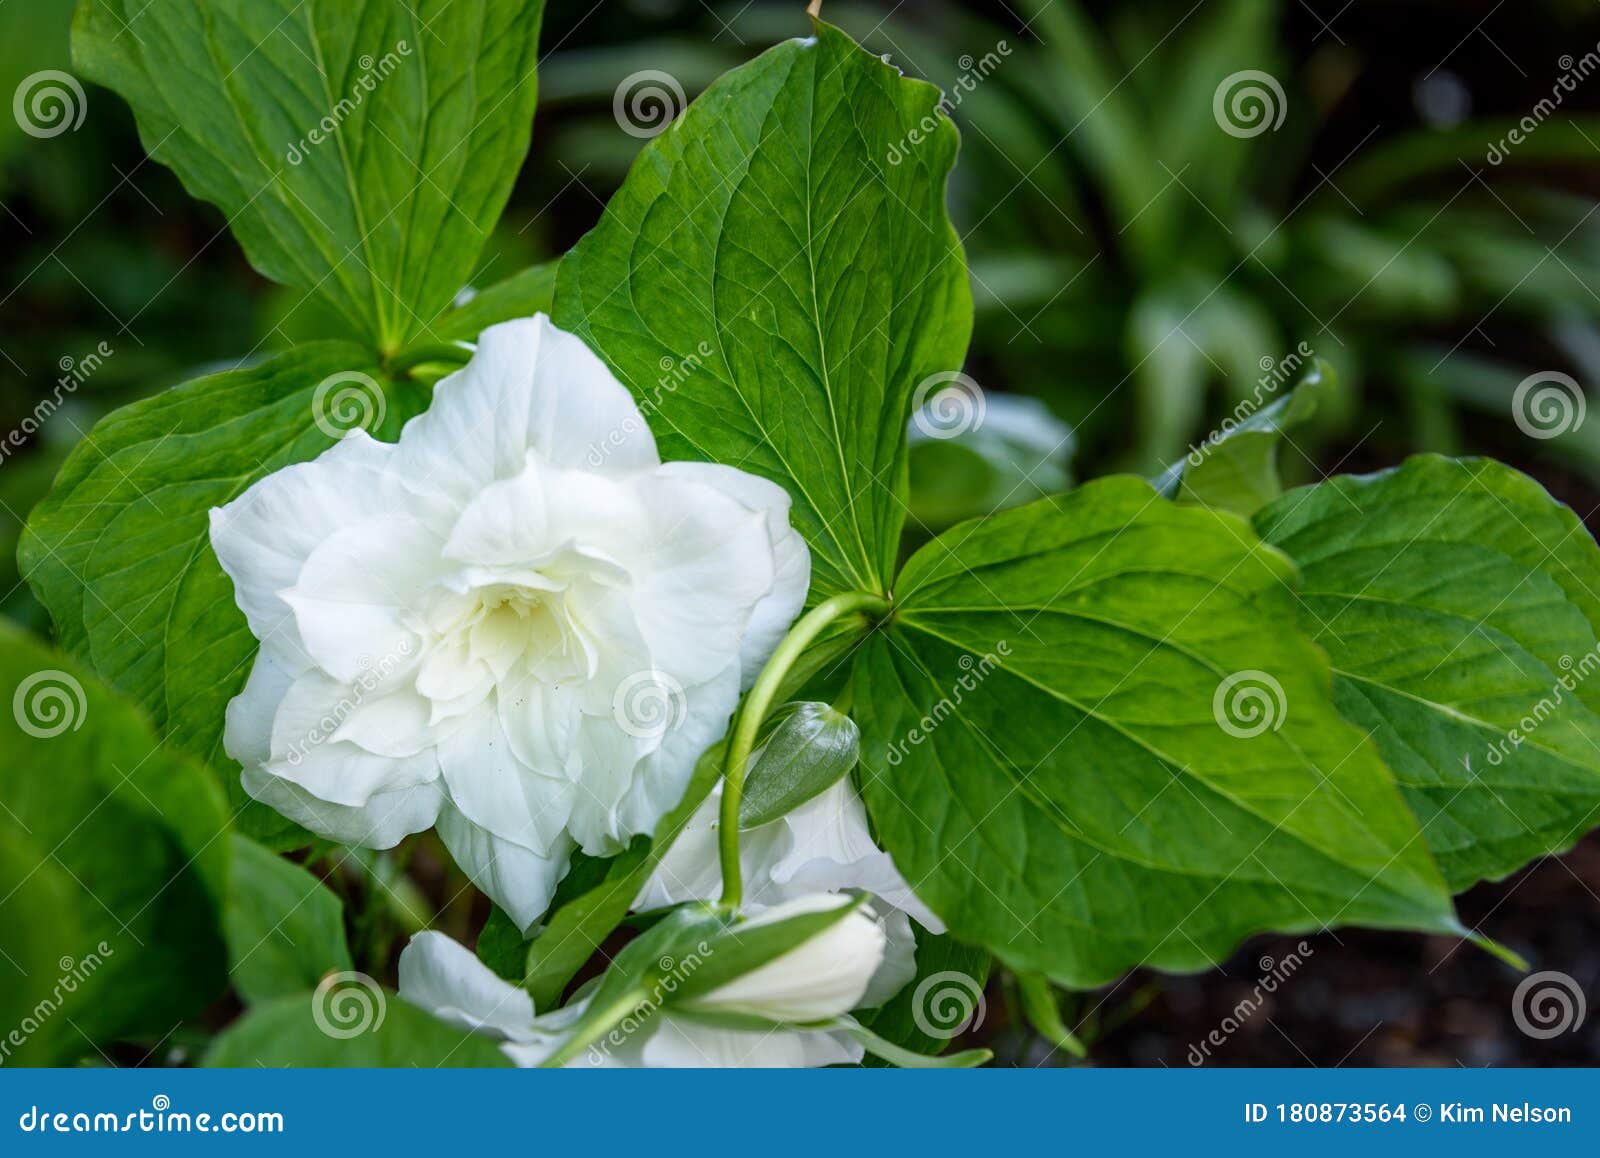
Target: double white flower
515, 624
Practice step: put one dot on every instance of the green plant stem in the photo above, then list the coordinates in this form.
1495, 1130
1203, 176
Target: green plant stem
455, 353
741, 741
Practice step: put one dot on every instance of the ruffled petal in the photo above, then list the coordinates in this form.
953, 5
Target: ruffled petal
495, 791
264, 537
704, 564
383, 821
354, 597
446, 979
517, 879
772, 617
528, 387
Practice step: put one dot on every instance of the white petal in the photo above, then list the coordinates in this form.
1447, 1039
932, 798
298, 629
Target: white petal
824, 976
529, 386
352, 597
899, 961
383, 821
829, 846
305, 752
689, 871
264, 537
448, 980
775, 613
682, 1043
622, 796
517, 879
247, 730
494, 790
705, 563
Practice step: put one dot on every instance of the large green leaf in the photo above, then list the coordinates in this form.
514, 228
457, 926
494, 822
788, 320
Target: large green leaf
361, 151
774, 287
115, 864
1056, 752
285, 928
1460, 605
355, 1024
120, 550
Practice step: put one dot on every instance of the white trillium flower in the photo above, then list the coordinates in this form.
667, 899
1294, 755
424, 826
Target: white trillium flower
824, 977
825, 846
516, 623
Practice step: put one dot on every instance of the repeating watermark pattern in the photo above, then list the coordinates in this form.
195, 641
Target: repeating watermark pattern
74, 975
1275, 372
348, 1004
948, 1003
649, 704
374, 71
1248, 703
947, 405
1548, 404
674, 972
1274, 974
1548, 1004
48, 703
1574, 673
346, 402
48, 103
674, 373
1573, 72
74, 373
974, 71
646, 102
372, 677
973, 673
1248, 103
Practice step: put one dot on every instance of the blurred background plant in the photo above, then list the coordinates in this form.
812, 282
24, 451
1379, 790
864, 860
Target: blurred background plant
1170, 207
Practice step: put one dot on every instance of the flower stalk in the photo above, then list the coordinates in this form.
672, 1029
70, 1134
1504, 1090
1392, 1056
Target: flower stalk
757, 706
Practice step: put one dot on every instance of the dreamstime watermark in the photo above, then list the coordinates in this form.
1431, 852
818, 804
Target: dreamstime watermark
1548, 404
1248, 103
371, 678
48, 703
160, 1118
947, 405
48, 103
348, 1004
1275, 372
74, 373
1548, 1004
675, 971
1274, 974
1572, 73
674, 373
74, 974
1574, 673
646, 102
649, 704
373, 72
346, 402
973, 73
948, 1003
974, 672
1248, 703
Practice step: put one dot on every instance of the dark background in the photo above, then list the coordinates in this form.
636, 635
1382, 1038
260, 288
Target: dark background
1434, 281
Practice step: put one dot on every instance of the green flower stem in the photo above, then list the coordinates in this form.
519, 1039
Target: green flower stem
455, 353
742, 740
